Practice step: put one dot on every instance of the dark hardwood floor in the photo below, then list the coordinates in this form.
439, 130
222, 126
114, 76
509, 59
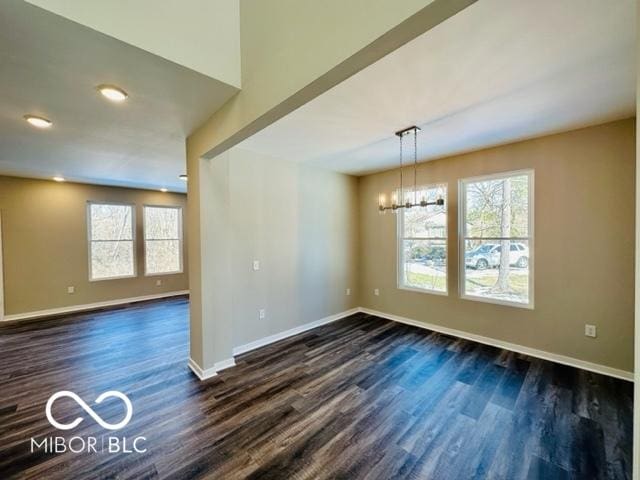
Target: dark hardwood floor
359, 398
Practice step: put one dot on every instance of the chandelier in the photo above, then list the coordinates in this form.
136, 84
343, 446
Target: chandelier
405, 202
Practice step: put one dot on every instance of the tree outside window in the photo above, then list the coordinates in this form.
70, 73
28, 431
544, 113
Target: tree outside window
497, 242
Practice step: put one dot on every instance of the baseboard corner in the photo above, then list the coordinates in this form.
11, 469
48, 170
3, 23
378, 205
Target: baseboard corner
202, 374
207, 373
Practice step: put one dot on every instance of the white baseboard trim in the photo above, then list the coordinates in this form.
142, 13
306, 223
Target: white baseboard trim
205, 374
199, 372
291, 332
90, 306
552, 357
223, 364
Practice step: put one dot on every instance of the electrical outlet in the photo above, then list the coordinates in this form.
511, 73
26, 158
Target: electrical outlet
590, 330
376, 292
256, 265
71, 289
348, 292
158, 283
262, 313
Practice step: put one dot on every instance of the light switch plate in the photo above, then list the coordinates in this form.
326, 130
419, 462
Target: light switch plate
376, 292
71, 289
348, 291
256, 265
262, 313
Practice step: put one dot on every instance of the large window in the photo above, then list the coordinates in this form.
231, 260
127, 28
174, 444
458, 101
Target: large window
422, 242
111, 238
162, 240
496, 220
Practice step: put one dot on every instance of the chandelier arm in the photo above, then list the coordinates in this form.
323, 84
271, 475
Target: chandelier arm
439, 202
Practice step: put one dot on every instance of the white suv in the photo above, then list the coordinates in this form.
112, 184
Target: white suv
487, 255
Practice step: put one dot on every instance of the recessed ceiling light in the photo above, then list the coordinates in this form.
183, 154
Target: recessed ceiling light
164, 190
113, 93
39, 122
183, 177
58, 178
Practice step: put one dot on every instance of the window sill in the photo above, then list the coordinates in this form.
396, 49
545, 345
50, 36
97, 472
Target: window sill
423, 290
504, 303
163, 274
121, 277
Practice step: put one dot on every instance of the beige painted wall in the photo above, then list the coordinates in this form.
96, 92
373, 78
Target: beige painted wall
299, 222
584, 246
45, 245
302, 225
203, 35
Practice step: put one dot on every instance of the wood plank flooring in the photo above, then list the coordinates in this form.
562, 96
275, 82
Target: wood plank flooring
360, 398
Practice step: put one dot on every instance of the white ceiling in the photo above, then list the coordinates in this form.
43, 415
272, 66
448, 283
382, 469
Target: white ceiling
498, 72
51, 66
175, 30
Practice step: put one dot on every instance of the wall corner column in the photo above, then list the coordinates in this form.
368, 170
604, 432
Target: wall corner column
209, 244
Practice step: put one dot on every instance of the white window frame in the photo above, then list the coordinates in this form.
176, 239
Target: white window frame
180, 239
462, 206
400, 243
133, 239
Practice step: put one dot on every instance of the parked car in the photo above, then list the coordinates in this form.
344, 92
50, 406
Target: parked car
434, 256
487, 255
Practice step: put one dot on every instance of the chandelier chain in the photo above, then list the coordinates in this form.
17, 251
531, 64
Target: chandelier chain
401, 199
415, 166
